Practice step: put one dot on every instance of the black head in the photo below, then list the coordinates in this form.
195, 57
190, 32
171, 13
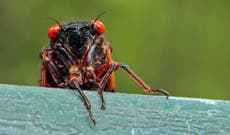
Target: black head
77, 35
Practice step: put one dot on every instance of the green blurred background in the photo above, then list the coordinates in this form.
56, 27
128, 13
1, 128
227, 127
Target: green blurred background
181, 46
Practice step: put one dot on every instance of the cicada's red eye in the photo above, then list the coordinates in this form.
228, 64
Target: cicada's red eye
99, 26
53, 30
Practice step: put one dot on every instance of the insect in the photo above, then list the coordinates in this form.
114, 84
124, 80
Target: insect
78, 57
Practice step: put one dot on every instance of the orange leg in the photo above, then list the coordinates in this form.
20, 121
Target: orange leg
85, 100
113, 67
104, 82
49, 68
74, 81
65, 53
44, 80
140, 82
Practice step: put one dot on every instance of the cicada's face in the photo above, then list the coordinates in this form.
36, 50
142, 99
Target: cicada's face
78, 36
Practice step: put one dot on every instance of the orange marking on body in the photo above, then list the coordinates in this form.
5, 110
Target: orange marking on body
73, 69
110, 86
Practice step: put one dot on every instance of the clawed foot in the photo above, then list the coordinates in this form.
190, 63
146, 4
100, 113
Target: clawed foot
103, 106
94, 121
164, 92
91, 116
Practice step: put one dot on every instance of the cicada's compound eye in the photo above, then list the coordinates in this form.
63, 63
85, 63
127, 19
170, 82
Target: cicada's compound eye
53, 30
99, 26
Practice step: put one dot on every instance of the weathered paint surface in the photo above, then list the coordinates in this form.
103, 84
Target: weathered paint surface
36, 110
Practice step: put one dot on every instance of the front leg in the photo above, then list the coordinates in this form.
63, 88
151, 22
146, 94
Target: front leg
75, 79
110, 67
50, 75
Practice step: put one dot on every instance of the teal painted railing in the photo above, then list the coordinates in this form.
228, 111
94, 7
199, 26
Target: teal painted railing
36, 110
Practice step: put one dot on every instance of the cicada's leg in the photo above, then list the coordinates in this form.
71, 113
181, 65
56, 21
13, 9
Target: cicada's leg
136, 78
48, 67
75, 80
140, 82
91, 54
66, 57
75, 77
104, 82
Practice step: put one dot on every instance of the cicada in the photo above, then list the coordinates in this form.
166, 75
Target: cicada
78, 57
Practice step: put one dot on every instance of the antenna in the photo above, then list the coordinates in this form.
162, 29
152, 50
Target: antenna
54, 20
102, 13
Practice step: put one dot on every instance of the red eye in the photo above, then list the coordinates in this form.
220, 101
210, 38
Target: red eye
99, 26
53, 30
